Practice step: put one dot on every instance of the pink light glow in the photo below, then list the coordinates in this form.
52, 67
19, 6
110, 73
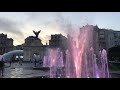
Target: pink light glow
80, 58
78, 50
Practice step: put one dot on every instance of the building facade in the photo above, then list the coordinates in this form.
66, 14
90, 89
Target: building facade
18, 47
103, 39
108, 38
99, 38
92, 38
33, 46
6, 44
96, 39
114, 38
111, 39
58, 41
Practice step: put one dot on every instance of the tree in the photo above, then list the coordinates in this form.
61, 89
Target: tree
114, 53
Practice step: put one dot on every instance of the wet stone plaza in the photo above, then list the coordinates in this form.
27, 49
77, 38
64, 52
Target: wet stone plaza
26, 70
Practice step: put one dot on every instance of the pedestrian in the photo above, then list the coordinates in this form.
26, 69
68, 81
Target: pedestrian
20, 61
10, 63
35, 62
2, 64
35, 59
17, 60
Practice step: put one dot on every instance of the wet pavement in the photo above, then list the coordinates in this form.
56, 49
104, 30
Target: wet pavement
27, 70
24, 71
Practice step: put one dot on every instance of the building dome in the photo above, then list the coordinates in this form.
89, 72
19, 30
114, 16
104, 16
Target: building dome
8, 56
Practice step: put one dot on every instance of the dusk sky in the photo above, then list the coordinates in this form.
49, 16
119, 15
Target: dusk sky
20, 25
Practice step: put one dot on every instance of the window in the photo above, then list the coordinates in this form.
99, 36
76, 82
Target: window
101, 39
115, 35
102, 36
52, 37
101, 32
115, 43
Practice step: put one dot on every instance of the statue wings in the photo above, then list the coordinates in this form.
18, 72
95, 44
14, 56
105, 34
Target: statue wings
36, 33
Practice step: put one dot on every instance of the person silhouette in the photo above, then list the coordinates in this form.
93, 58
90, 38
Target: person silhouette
35, 59
10, 62
2, 64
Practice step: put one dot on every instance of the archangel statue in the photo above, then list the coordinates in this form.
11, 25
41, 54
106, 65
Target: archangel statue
36, 33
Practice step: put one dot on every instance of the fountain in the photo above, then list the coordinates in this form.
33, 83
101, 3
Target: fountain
81, 60
104, 72
54, 61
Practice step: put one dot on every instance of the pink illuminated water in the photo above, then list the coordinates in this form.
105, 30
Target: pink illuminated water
81, 60
104, 72
54, 61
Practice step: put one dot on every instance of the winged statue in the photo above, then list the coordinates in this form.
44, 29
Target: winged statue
36, 33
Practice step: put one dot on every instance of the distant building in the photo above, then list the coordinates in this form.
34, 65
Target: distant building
6, 44
96, 39
111, 39
93, 38
33, 46
18, 47
103, 39
108, 38
58, 41
99, 39
114, 38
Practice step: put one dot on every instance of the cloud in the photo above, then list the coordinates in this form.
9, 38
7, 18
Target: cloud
39, 18
45, 39
50, 19
49, 23
17, 39
53, 22
7, 25
63, 24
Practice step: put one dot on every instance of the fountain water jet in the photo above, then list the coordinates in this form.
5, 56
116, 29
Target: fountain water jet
81, 61
54, 61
